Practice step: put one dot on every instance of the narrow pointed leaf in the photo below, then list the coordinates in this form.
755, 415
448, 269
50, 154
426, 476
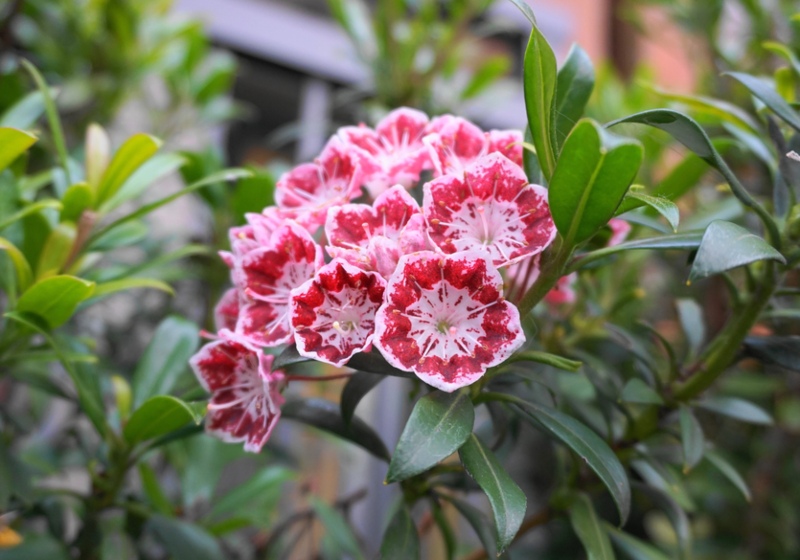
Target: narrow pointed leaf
401, 540
158, 416
108, 288
507, 500
21, 266
289, 356
439, 424
25, 112
782, 351
665, 207
13, 143
632, 547
766, 93
587, 526
676, 242
479, 523
637, 391
337, 528
573, 90
726, 246
373, 362
29, 209
182, 539
691, 438
677, 517
736, 408
539, 80
729, 472
129, 157
151, 171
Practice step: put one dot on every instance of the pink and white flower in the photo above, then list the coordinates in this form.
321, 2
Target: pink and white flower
333, 314
226, 313
393, 153
445, 319
267, 276
619, 231
564, 290
374, 237
311, 188
506, 142
490, 207
245, 394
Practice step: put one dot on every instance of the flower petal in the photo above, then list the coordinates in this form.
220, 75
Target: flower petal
454, 144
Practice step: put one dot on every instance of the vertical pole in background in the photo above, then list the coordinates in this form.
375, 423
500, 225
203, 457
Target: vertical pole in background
314, 117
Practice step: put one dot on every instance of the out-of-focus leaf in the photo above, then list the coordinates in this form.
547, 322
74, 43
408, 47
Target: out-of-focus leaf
263, 482
632, 547
488, 72
29, 209
153, 491
25, 112
676, 242
288, 357
373, 362
589, 446
665, 207
439, 424
546, 358
98, 156
678, 182
507, 500
34, 547
729, 472
737, 408
637, 391
481, 525
166, 357
573, 90
183, 539
692, 439
694, 328
356, 389
77, 199
108, 288
252, 194
676, 515
592, 176
662, 477
338, 529
726, 246
539, 80
21, 266
722, 110
766, 93
151, 171
587, 526
14, 143
783, 351
129, 157
326, 416
157, 416
401, 540
354, 17
127, 234
55, 299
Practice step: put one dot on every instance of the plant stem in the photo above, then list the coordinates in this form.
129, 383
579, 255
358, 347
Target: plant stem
722, 352
552, 270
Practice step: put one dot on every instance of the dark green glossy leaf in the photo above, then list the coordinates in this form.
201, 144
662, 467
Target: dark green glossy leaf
692, 439
287, 357
573, 90
587, 526
530, 162
737, 408
401, 540
726, 246
539, 80
590, 447
480, 524
663, 206
14, 143
373, 362
55, 299
356, 389
439, 424
507, 500
592, 176
158, 416
165, 359
337, 527
637, 391
632, 547
326, 416
766, 93
782, 351
729, 472
184, 540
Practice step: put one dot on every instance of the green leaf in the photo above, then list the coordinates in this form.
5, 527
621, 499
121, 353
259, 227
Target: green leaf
663, 206
785, 52
165, 359
326, 416
183, 539
401, 540
98, 156
592, 175
129, 157
766, 93
637, 391
85, 380
573, 90
692, 439
108, 288
76, 199
263, 482
507, 500
726, 246
676, 515
677, 242
665, 479
729, 472
686, 131
25, 112
546, 358
21, 266
489, 71
373, 362
539, 81
526, 10
252, 194
782, 351
691, 317
722, 110
439, 424
14, 143
152, 489
632, 547
151, 171
587, 526
129, 233
56, 250
737, 408
36, 547
589, 446
356, 389
157, 416
226, 175
480, 524
30, 209
55, 299
289, 356
338, 529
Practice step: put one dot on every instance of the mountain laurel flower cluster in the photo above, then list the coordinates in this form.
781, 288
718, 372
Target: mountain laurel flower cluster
421, 284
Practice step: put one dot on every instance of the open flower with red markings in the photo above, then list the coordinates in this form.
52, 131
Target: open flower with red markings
333, 314
490, 207
267, 275
392, 153
445, 319
311, 188
374, 237
245, 394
